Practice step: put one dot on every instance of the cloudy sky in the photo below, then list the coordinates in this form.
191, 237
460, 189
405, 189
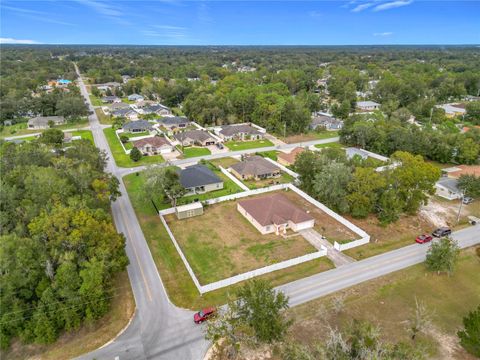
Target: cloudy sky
173, 22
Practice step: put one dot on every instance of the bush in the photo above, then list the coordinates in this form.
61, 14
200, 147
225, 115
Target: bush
124, 139
135, 154
470, 335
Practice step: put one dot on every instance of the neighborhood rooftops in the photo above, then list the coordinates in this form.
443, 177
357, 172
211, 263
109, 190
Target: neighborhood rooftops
197, 175
44, 120
137, 125
230, 130
156, 141
329, 122
197, 135
274, 209
460, 170
173, 121
256, 166
290, 157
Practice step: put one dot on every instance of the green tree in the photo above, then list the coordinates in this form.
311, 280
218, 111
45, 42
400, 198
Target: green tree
470, 334
52, 137
165, 182
330, 186
442, 256
470, 185
364, 191
473, 112
135, 154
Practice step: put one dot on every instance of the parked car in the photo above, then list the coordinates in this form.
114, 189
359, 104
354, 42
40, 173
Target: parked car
204, 314
441, 232
467, 200
422, 239
220, 146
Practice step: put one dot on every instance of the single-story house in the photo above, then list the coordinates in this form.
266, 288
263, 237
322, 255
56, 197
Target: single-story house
42, 122
448, 188
195, 137
368, 105
457, 171
135, 97
126, 113
289, 159
274, 213
352, 151
325, 122
255, 167
189, 210
158, 109
118, 106
452, 110
111, 99
173, 122
137, 126
107, 86
199, 179
241, 132
153, 145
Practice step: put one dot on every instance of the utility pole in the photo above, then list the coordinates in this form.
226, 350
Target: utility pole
460, 207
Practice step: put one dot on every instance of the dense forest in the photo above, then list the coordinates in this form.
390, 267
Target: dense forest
59, 249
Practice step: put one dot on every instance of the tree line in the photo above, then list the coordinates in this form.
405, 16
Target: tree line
59, 248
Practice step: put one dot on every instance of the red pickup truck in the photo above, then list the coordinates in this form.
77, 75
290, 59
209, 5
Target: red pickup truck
204, 314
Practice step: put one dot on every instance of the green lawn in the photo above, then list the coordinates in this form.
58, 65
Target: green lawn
190, 152
177, 281
133, 135
253, 184
245, 145
96, 101
123, 159
104, 119
269, 154
125, 100
309, 136
329, 145
85, 134
21, 128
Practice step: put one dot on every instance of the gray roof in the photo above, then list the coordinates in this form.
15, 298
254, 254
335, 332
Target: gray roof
173, 120
119, 105
154, 108
139, 124
197, 135
110, 98
255, 165
135, 97
450, 184
352, 151
44, 120
324, 120
230, 130
122, 112
367, 103
198, 175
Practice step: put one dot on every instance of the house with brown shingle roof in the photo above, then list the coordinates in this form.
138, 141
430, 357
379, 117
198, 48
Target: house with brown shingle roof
289, 159
274, 213
242, 132
255, 167
153, 145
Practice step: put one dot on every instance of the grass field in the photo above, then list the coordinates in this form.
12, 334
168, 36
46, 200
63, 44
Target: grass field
123, 159
389, 302
104, 119
190, 152
329, 145
85, 134
90, 336
270, 154
312, 135
21, 128
96, 101
245, 145
175, 277
134, 135
226, 162
254, 184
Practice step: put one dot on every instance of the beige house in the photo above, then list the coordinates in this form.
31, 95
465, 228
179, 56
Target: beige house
43, 122
255, 167
153, 145
289, 159
195, 137
274, 214
241, 132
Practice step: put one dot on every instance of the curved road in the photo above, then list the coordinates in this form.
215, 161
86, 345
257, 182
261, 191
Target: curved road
160, 330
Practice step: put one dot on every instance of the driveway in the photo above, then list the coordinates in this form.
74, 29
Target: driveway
337, 257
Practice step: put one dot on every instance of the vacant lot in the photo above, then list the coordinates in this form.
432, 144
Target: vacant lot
245, 145
222, 243
324, 223
102, 117
329, 145
389, 302
180, 287
190, 152
21, 128
225, 162
292, 139
254, 184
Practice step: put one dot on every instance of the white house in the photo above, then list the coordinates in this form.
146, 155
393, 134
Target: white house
448, 188
368, 105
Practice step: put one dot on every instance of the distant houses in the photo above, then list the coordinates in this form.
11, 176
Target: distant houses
173, 122
452, 110
43, 122
288, 159
368, 105
325, 122
126, 113
256, 168
111, 99
135, 97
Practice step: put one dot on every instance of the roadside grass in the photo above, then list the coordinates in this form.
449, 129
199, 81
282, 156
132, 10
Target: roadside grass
190, 152
222, 243
329, 145
269, 154
122, 159
309, 136
254, 184
246, 145
102, 117
389, 302
21, 128
96, 101
85, 134
225, 162
89, 336
180, 287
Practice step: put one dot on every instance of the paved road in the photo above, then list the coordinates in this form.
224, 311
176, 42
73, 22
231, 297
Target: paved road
347, 275
159, 329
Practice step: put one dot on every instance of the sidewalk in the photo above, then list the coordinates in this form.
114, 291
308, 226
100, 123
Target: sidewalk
337, 257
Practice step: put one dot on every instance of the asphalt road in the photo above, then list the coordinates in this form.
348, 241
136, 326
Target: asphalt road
160, 330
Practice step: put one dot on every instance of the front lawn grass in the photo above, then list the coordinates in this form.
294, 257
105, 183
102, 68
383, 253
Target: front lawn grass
180, 287
191, 152
269, 154
225, 162
254, 184
222, 243
123, 159
329, 145
96, 101
85, 134
91, 335
102, 117
134, 135
246, 145
389, 302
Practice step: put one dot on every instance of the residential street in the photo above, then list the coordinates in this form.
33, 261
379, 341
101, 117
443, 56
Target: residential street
161, 330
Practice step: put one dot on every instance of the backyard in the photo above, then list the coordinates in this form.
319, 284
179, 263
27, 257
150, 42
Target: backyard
177, 281
246, 145
256, 184
122, 159
312, 135
389, 302
222, 243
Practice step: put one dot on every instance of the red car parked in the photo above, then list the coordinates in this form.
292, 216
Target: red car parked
204, 314
422, 239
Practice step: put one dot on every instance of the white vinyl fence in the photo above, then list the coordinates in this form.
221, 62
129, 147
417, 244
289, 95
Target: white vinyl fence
351, 244
283, 168
233, 178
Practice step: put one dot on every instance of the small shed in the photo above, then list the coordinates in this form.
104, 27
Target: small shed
189, 210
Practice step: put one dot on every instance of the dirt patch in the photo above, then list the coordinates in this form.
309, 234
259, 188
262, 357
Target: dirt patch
299, 138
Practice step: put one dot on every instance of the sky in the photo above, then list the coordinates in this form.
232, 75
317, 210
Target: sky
175, 22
